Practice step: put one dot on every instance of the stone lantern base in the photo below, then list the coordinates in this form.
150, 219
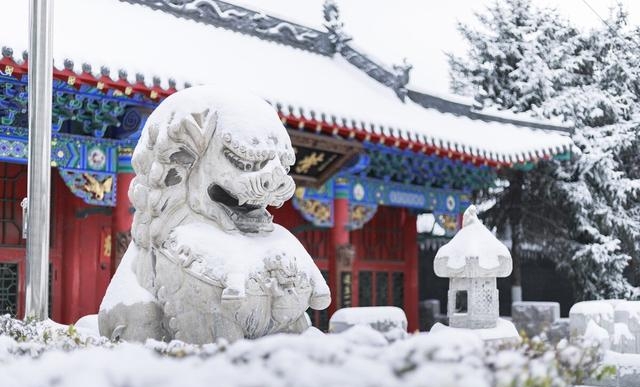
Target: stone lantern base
504, 332
473, 303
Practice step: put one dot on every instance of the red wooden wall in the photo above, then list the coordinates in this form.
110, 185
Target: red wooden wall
80, 254
386, 250
384, 271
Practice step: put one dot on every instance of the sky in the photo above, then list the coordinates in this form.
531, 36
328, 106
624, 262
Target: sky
424, 30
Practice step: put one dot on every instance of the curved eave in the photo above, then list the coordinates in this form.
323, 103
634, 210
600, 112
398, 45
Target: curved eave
406, 140
329, 125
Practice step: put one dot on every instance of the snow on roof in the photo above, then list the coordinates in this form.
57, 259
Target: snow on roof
136, 38
523, 117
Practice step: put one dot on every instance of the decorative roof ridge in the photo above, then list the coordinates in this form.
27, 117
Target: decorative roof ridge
395, 77
236, 18
243, 20
458, 108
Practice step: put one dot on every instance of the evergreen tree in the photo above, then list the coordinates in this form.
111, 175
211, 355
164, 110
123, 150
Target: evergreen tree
584, 212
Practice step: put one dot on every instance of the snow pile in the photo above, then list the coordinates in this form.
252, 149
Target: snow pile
124, 287
504, 330
41, 355
389, 320
596, 332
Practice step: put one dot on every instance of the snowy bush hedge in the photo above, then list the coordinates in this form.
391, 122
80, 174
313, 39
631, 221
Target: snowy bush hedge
37, 354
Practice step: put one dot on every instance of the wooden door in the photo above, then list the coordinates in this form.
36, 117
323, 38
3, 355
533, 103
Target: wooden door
385, 268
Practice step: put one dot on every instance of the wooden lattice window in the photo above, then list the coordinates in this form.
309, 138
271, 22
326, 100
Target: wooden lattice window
8, 288
381, 288
381, 239
365, 288
315, 241
397, 289
13, 188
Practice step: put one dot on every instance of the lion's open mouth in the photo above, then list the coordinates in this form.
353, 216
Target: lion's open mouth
247, 217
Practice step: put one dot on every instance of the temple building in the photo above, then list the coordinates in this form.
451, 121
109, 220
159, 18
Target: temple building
372, 152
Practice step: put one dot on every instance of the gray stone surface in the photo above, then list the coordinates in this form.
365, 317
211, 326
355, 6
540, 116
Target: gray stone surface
625, 376
628, 376
600, 312
558, 330
534, 317
628, 313
118, 324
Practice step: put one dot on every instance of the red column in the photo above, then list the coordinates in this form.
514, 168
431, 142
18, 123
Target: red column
411, 259
122, 218
339, 236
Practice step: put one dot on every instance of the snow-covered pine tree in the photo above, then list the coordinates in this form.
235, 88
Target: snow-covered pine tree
601, 96
583, 213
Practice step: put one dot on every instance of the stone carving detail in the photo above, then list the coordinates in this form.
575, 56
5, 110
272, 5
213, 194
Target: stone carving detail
334, 25
401, 75
206, 260
236, 18
396, 78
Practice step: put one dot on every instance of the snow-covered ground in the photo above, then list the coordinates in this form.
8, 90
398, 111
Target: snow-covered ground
37, 355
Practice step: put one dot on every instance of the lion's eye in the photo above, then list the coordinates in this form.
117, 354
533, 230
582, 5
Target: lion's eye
235, 160
242, 164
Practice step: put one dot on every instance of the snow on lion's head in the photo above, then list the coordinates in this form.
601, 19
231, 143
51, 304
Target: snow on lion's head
223, 153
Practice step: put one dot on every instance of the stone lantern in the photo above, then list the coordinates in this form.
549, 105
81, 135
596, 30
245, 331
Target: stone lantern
473, 259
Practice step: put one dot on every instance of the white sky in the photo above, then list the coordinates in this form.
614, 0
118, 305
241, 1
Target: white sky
423, 30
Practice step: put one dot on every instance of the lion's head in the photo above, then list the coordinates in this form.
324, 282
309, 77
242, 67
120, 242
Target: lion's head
211, 155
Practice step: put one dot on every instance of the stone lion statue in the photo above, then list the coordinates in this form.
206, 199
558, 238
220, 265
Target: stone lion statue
206, 260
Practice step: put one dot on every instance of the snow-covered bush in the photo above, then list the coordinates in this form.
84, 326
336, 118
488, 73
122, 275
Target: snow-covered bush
37, 354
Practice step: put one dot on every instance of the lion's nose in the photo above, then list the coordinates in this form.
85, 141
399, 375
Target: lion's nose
271, 180
279, 172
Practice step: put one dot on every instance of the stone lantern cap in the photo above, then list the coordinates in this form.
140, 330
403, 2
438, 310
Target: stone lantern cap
474, 252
